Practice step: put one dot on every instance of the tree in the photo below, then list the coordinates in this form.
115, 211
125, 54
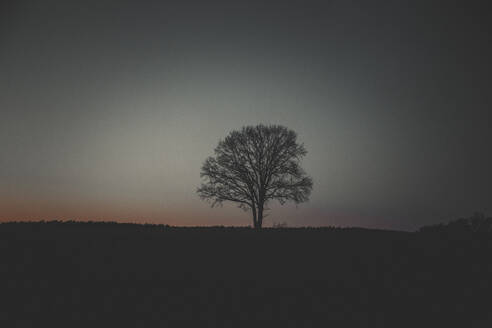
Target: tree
254, 166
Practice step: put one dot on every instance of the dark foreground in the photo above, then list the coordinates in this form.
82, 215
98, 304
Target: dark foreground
110, 275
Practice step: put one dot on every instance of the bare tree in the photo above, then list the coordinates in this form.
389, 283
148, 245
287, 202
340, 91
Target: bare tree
254, 166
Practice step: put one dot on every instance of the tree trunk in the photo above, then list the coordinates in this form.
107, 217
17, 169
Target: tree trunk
260, 216
255, 221
257, 216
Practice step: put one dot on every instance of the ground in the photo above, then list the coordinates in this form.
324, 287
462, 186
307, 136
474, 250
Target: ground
106, 275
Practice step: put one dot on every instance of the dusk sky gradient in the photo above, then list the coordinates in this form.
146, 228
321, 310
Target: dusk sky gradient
109, 108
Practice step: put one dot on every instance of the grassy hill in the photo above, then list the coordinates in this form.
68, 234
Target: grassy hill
106, 274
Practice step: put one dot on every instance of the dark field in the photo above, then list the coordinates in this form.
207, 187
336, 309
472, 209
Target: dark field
110, 275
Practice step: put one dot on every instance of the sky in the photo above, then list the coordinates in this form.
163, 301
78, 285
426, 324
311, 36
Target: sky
109, 108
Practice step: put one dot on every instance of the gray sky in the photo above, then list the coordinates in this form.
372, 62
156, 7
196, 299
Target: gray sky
108, 108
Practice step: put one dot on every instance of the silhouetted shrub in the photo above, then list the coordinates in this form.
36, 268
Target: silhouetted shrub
278, 225
477, 223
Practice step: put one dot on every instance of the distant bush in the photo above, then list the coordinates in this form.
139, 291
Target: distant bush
278, 225
477, 223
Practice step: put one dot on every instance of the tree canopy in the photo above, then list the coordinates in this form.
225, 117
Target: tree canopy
254, 166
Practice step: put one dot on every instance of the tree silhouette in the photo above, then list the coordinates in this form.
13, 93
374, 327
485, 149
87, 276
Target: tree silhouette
253, 166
